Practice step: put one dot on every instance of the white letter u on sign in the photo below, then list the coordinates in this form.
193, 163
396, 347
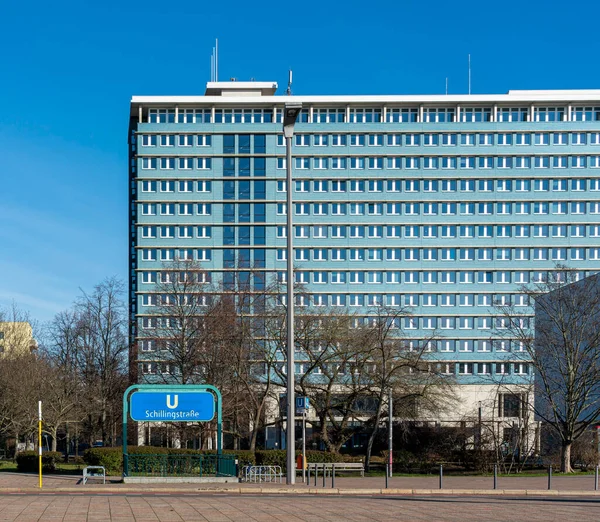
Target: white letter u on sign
175, 402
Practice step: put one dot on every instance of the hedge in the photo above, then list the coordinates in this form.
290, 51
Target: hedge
278, 457
112, 458
27, 461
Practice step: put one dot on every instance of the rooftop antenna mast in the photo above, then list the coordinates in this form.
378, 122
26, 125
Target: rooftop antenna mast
214, 62
469, 73
289, 87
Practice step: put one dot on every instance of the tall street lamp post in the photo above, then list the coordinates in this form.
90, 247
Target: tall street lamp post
290, 114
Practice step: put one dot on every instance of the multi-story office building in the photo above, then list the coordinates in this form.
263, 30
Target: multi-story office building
446, 205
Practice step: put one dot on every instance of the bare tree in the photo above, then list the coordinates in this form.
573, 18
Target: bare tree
401, 365
20, 391
102, 353
331, 363
179, 325
563, 346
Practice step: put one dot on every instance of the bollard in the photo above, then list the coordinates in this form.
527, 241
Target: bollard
333, 475
550, 476
308, 475
316, 473
441, 476
324, 475
495, 476
387, 464
596, 479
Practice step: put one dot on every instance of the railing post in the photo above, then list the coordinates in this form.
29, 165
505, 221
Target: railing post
323, 474
333, 475
495, 476
387, 464
308, 475
316, 473
441, 476
596, 479
550, 476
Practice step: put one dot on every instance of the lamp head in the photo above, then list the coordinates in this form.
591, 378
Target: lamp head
290, 114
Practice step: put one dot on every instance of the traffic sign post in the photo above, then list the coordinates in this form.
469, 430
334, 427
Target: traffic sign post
302, 405
176, 403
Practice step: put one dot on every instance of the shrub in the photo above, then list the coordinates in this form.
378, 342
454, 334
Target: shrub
278, 457
245, 457
27, 461
110, 458
271, 458
327, 456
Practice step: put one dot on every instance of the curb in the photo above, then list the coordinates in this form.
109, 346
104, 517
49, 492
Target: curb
111, 490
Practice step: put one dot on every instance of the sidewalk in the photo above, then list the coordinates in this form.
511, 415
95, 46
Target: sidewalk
426, 485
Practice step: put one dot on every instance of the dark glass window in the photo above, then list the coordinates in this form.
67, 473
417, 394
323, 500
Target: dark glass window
259, 190
244, 238
229, 144
228, 280
259, 235
229, 213
244, 167
244, 279
259, 258
259, 143
259, 166
228, 190
244, 213
511, 404
228, 167
244, 190
259, 213
229, 235
259, 280
228, 258
244, 258
244, 143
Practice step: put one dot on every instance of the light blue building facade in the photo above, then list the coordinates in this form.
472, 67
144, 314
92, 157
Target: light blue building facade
446, 205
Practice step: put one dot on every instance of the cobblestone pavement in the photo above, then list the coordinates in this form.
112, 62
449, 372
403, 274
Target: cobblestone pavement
156, 506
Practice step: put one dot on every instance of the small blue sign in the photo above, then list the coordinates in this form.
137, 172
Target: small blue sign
155, 406
302, 404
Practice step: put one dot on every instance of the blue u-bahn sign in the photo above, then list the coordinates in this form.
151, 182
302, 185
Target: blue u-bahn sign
172, 406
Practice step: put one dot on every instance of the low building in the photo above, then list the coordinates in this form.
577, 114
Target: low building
16, 338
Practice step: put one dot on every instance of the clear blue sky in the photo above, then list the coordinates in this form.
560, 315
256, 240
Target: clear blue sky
69, 69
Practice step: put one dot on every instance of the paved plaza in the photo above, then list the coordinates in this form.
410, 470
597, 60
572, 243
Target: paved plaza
564, 485
463, 499
215, 507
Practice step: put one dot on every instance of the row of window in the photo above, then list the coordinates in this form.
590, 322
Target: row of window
435, 162
442, 231
397, 209
443, 254
378, 140
388, 254
444, 139
444, 209
389, 277
378, 115
390, 163
483, 369
444, 185
397, 185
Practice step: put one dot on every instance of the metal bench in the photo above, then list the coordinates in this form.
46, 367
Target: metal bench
315, 467
94, 472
